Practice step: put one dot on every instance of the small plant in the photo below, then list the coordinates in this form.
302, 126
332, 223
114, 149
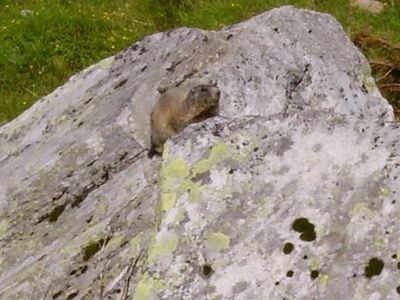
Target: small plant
384, 58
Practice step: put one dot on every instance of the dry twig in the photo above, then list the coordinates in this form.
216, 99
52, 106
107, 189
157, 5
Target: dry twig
131, 271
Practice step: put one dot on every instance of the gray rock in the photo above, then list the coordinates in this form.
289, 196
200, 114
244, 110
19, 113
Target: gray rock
372, 6
303, 156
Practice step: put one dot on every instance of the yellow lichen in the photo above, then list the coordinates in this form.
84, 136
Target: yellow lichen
171, 175
324, 279
177, 169
361, 209
168, 200
264, 211
179, 217
379, 242
314, 265
218, 241
135, 243
115, 240
166, 245
218, 153
385, 191
192, 188
3, 228
146, 287
368, 81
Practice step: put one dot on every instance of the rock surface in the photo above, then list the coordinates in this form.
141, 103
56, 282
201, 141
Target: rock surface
372, 6
290, 194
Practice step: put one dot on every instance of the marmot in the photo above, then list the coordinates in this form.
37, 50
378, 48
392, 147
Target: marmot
177, 108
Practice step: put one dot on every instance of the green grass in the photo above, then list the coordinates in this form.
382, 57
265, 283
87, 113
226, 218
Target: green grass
44, 42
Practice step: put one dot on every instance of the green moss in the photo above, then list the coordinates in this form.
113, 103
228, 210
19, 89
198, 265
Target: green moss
218, 241
86, 237
56, 213
92, 248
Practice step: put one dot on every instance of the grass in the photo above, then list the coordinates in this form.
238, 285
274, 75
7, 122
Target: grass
44, 42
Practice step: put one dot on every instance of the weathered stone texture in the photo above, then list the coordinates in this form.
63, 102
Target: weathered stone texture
292, 193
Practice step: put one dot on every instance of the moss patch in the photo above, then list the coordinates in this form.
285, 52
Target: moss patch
93, 247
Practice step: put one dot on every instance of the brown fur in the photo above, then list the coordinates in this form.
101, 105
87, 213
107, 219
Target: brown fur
177, 108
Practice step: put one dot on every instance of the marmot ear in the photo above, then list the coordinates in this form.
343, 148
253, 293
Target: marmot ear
191, 93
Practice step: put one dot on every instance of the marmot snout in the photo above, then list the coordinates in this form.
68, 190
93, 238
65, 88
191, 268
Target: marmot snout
177, 108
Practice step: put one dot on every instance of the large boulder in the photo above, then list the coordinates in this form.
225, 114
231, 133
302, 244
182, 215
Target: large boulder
290, 194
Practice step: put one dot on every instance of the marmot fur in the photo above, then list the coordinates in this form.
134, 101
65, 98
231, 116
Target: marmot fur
177, 108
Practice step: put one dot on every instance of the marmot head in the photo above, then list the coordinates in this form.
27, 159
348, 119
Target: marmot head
206, 96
